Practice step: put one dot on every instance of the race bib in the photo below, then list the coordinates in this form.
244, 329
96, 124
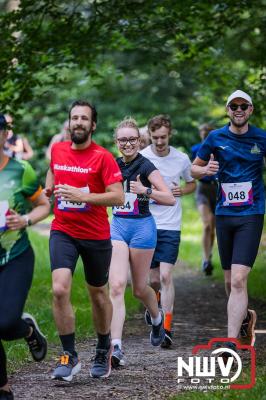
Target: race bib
130, 206
3, 213
237, 194
67, 205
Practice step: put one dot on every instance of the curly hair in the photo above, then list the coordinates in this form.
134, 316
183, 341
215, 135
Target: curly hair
158, 121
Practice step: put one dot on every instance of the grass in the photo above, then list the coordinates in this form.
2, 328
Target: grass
40, 298
40, 301
190, 248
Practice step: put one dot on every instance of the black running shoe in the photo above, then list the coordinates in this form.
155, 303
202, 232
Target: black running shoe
37, 342
247, 330
168, 341
157, 334
207, 268
101, 367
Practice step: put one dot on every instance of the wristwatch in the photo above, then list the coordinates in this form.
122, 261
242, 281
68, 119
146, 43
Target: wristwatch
148, 191
27, 219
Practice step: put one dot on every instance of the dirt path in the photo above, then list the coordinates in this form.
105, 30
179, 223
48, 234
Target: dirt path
150, 372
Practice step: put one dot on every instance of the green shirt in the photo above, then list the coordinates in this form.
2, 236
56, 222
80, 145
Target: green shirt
18, 185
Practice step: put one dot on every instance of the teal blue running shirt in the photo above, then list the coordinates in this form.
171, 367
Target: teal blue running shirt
240, 158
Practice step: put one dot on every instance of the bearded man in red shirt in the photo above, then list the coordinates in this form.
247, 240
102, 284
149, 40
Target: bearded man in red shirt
85, 180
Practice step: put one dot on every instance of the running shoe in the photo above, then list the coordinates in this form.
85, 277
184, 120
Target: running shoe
168, 341
247, 330
37, 342
157, 334
68, 366
207, 268
4, 395
101, 367
117, 358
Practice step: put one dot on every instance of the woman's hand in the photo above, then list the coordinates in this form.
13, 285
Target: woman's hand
137, 187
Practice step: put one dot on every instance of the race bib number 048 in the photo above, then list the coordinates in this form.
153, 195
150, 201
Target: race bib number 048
130, 206
237, 194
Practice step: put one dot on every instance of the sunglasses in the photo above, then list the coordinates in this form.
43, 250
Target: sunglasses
124, 141
243, 106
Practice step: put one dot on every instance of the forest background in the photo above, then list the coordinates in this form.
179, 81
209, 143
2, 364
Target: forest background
129, 57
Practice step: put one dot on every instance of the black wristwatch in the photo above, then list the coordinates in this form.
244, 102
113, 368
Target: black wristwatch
148, 191
27, 219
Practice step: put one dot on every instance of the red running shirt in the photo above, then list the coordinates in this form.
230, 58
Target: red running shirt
92, 169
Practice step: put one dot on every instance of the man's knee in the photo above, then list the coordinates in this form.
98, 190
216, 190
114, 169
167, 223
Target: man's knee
117, 289
238, 282
61, 292
166, 278
99, 295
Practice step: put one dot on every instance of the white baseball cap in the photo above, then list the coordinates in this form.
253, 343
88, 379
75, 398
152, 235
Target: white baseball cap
239, 94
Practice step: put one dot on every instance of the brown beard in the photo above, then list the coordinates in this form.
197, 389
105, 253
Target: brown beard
80, 138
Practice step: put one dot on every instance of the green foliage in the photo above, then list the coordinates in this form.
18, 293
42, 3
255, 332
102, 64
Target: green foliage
46, 36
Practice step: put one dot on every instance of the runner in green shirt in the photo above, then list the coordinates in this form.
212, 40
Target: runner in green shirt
20, 192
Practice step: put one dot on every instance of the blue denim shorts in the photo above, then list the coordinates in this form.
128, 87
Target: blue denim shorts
167, 247
138, 233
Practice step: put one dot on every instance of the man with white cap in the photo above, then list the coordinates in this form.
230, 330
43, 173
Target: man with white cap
235, 153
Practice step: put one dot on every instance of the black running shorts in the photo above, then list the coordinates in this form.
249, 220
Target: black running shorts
95, 254
238, 239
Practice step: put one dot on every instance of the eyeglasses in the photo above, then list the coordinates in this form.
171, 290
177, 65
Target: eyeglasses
124, 141
243, 106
